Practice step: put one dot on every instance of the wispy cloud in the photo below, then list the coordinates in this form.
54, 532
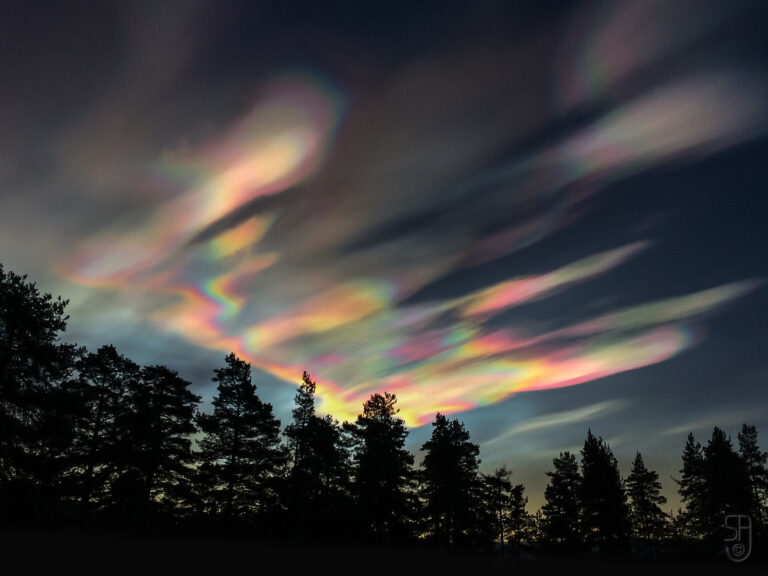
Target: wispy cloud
557, 419
705, 424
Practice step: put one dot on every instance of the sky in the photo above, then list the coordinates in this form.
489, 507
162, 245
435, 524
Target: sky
535, 217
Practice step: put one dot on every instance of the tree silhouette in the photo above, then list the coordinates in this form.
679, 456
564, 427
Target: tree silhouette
382, 470
450, 484
520, 521
240, 452
605, 514
562, 508
33, 363
692, 488
317, 483
644, 491
94, 436
726, 486
497, 489
504, 506
101, 390
756, 468
156, 445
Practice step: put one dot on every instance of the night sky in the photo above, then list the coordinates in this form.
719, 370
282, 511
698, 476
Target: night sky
535, 217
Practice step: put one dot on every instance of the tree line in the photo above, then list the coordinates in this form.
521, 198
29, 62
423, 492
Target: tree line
91, 439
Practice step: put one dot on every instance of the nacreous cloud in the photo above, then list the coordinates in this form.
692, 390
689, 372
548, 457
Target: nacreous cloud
306, 236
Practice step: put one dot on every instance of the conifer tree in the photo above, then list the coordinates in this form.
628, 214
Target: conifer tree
755, 460
505, 513
240, 451
156, 444
101, 389
519, 519
644, 492
561, 512
382, 469
33, 365
692, 489
317, 483
605, 514
497, 489
450, 484
726, 486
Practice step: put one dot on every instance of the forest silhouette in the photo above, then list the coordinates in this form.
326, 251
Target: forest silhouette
93, 443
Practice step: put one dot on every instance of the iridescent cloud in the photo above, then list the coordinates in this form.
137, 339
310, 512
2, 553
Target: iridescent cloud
268, 245
515, 292
277, 145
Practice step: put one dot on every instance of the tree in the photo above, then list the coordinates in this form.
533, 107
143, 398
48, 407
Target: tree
382, 470
299, 432
240, 450
691, 488
519, 519
33, 363
497, 491
101, 391
156, 444
505, 511
562, 508
754, 461
450, 485
317, 486
605, 514
644, 491
726, 485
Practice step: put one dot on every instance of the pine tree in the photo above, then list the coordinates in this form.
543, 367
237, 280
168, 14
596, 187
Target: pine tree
644, 491
317, 483
562, 508
450, 485
692, 489
33, 365
497, 491
156, 444
519, 518
605, 514
382, 469
726, 486
505, 515
240, 451
755, 461
101, 390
